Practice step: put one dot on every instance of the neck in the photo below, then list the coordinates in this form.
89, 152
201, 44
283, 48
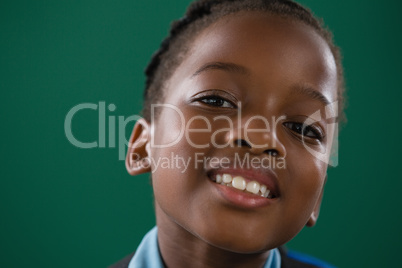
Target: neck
179, 248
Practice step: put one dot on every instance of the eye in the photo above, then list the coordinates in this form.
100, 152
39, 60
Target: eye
216, 101
308, 131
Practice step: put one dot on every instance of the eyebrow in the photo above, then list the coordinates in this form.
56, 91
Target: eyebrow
224, 66
235, 68
311, 93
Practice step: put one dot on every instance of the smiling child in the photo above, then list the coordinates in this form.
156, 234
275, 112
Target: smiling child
231, 137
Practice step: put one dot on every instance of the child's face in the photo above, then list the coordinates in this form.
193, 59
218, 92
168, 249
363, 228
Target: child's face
277, 59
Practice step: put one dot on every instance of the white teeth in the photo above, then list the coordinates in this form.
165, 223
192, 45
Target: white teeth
253, 187
227, 178
265, 194
239, 183
263, 189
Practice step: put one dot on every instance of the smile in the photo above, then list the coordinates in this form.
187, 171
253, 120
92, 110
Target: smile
244, 185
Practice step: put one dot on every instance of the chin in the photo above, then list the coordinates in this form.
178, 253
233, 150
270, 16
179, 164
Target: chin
241, 243
244, 247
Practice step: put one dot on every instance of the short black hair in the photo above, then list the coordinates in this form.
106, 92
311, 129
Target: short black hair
199, 15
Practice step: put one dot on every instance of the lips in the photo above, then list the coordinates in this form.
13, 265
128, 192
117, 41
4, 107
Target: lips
246, 188
242, 184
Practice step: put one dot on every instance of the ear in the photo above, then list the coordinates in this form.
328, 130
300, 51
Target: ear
314, 215
138, 154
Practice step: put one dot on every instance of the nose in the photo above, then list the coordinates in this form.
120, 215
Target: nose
259, 138
243, 143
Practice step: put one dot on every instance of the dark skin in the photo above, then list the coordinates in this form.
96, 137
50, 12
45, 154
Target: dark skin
278, 57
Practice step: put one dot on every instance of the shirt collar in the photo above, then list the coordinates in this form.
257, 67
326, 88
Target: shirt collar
148, 255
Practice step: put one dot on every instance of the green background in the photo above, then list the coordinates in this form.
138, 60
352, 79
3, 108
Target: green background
62, 206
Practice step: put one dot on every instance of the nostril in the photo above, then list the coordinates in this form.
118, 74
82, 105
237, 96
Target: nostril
241, 143
272, 152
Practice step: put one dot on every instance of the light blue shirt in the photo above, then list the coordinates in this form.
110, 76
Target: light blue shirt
148, 255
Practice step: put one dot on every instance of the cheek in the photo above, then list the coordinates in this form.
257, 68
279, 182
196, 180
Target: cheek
307, 177
168, 129
177, 176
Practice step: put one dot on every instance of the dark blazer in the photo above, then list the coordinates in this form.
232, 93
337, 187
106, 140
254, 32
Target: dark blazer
286, 261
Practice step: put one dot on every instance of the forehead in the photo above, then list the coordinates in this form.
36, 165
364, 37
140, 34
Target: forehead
273, 49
